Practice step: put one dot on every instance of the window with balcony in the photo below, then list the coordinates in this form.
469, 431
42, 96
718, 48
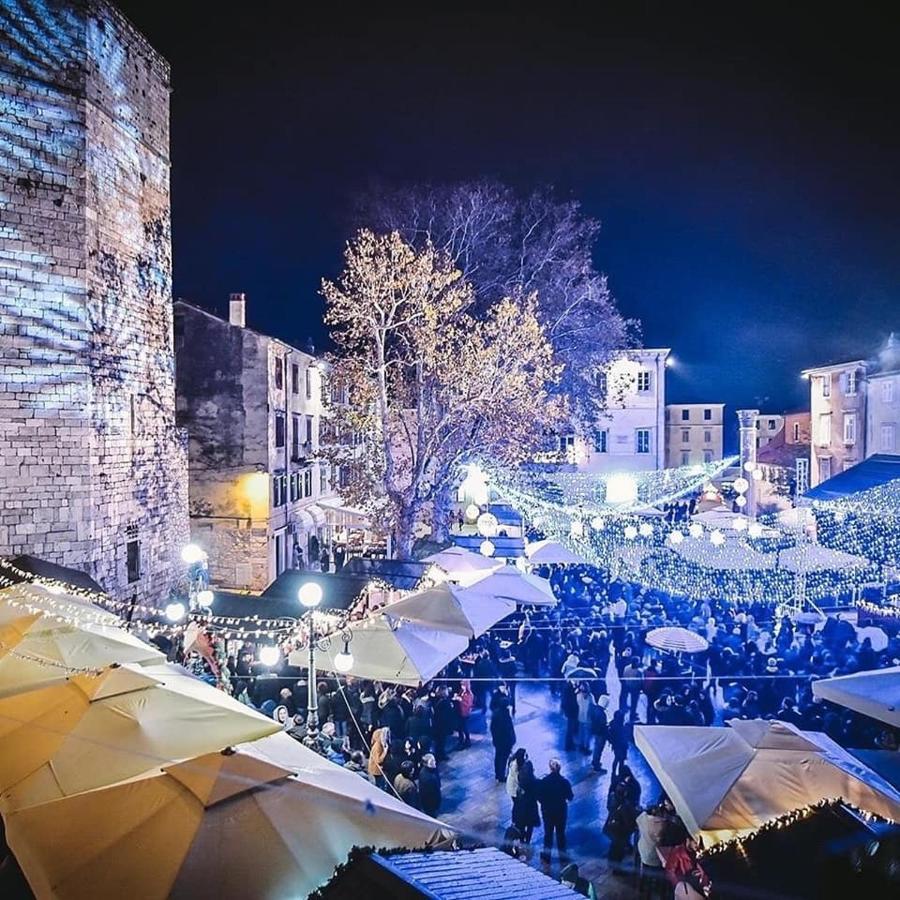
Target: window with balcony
642, 440
849, 428
643, 381
310, 428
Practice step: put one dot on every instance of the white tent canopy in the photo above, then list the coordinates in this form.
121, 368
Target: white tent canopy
727, 782
447, 607
512, 584
874, 693
271, 819
463, 565
804, 558
401, 654
549, 552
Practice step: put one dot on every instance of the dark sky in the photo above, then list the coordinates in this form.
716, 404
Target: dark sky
744, 165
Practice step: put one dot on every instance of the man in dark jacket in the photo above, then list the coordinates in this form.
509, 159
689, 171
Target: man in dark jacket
503, 736
429, 785
554, 794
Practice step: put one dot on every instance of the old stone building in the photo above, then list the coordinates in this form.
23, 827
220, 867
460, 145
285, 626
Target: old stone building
92, 466
260, 498
694, 433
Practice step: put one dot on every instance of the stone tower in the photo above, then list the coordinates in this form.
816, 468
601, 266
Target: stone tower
92, 467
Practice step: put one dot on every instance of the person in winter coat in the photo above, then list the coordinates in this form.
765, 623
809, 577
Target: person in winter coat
570, 711
429, 785
406, 787
444, 718
503, 737
525, 813
464, 700
555, 794
600, 732
585, 701
619, 734
381, 742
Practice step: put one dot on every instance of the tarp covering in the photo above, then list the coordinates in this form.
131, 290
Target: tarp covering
404, 575
40, 568
727, 782
463, 565
447, 607
550, 552
271, 820
510, 583
875, 693
339, 591
873, 472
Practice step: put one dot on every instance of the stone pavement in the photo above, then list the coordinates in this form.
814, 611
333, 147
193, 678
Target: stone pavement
476, 804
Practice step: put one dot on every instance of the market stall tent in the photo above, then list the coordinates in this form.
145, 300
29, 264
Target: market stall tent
874, 693
549, 552
512, 584
463, 565
451, 608
270, 819
727, 782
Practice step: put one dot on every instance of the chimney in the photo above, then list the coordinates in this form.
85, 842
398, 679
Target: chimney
237, 310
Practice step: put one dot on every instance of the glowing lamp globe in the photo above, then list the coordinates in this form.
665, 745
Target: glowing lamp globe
757, 474
630, 532
472, 512
717, 538
695, 529
739, 524
755, 530
192, 554
741, 501
749, 466
597, 523
487, 524
487, 548
310, 594
676, 537
269, 655
645, 530
576, 529
206, 598
175, 612
621, 488
741, 485
343, 662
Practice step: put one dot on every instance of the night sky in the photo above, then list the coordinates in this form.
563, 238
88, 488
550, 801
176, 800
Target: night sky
745, 168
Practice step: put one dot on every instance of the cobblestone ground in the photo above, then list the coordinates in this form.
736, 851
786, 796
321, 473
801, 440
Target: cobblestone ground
478, 806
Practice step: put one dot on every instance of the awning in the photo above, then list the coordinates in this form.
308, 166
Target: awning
339, 513
873, 472
316, 513
303, 520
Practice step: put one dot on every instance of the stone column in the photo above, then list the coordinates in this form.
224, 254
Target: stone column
747, 419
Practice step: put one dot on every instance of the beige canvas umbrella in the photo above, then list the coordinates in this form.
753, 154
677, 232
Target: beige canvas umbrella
675, 639
463, 565
875, 693
447, 607
549, 552
511, 583
270, 821
93, 730
26, 599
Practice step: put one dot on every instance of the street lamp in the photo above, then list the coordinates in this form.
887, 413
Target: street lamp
310, 596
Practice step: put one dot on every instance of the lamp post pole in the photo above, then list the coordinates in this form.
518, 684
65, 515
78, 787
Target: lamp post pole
312, 698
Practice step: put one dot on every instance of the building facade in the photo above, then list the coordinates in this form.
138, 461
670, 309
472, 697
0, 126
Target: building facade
768, 429
252, 406
797, 428
92, 466
630, 434
883, 402
837, 408
694, 433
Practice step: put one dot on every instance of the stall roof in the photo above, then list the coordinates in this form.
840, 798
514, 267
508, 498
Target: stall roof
873, 472
41, 568
339, 591
404, 575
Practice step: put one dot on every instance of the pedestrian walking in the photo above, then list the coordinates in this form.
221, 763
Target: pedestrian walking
554, 794
503, 737
429, 785
599, 732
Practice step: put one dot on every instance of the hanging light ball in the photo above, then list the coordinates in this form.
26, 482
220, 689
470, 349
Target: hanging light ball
749, 466
630, 532
576, 529
695, 529
676, 537
472, 512
645, 529
487, 548
192, 554
310, 594
343, 662
621, 488
206, 598
757, 474
755, 530
597, 523
739, 524
269, 655
741, 501
487, 524
741, 485
175, 612
717, 538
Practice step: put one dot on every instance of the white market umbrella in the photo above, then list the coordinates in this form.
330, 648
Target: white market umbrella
93, 730
447, 607
804, 558
550, 552
27, 599
463, 565
403, 653
270, 819
512, 584
728, 782
676, 640
875, 693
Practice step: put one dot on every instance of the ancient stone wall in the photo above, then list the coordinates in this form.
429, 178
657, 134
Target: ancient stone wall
90, 456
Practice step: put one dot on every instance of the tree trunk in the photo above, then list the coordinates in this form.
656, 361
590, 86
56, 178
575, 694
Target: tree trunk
440, 514
405, 532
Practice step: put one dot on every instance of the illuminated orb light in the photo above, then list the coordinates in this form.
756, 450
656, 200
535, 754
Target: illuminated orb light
192, 554
749, 466
621, 488
175, 612
695, 529
757, 474
717, 538
269, 655
472, 512
576, 529
597, 523
676, 537
206, 598
487, 548
645, 529
255, 488
630, 532
343, 662
755, 530
741, 485
741, 501
474, 487
739, 524
310, 594
487, 524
